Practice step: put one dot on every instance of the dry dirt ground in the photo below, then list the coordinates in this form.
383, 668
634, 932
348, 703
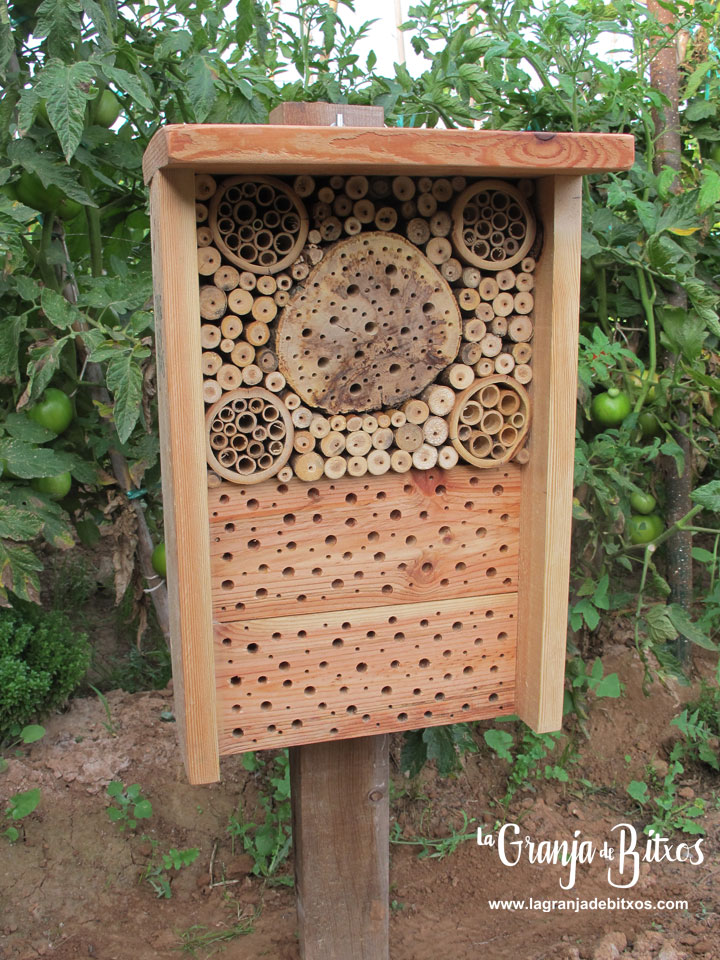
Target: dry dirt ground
70, 887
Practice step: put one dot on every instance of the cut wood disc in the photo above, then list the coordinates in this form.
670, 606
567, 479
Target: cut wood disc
259, 223
491, 218
237, 413
373, 325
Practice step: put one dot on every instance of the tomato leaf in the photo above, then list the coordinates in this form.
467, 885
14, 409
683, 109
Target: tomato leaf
18, 572
708, 496
66, 89
26, 461
51, 171
59, 311
124, 380
129, 84
684, 625
200, 87
18, 524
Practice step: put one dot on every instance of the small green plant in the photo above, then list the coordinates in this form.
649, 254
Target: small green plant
583, 679
19, 806
659, 798
108, 722
435, 848
199, 937
268, 843
445, 745
129, 805
527, 756
158, 872
701, 742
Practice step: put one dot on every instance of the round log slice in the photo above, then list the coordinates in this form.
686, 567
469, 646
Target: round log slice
373, 325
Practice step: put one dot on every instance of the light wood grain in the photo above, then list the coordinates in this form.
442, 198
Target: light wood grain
546, 509
184, 473
239, 148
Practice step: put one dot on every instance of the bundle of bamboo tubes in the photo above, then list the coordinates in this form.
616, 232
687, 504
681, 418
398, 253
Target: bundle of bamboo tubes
490, 421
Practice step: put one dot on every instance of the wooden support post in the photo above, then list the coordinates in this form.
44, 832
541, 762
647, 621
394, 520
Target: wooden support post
341, 815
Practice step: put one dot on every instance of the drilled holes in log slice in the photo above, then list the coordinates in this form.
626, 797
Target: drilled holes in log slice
493, 226
374, 324
258, 223
509, 404
235, 416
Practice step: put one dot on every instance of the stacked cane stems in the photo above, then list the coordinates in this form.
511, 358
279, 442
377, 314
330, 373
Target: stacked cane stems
326, 276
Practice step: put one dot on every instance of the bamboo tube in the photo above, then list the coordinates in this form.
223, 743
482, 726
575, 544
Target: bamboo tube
409, 437
488, 288
353, 423
440, 224
356, 187
471, 413
342, 205
247, 281
281, 298
210, 336
491, 345
451, 270
331, 229
268, 362
520, 329
228, 458
425, 457
484, 312
239, 442
425, 185
508, 435
335, 468
447, 457
489, 395
246, 422
358, 443
523, 373
252, 375
438, 250
326, 195
498, 452
480, 445
364, 210
400, 461
474, 330
369, 423
504, 363
403, 188
383, 419
505, 279
471, 277
231, 327
398, 418
299, 270
418, 231
291, 400
210, 363
386, 218
498, 326
201, 212
308, 466
492, 422
303, 441
524, 282
378, 462
319, 426
260, 433
383, 438
333, 444
203, 236
218, 441
275, 381
458, 375
468, 298
338, 423
484, 367
435, 431
527, 265
416, 411
442, 189
440, 400
357, 466
285, 474
205, 186
522, 456
213, 303
470, 353
240, 301
227, 345
301, 417
304, 185
283, 280
212, 391
243, 354
503, 304
352, 226
229, 377
426, 205
524, 302
464, 432
264, 309
522, 352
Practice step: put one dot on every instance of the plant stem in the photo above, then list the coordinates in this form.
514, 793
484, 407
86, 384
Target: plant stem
648, 302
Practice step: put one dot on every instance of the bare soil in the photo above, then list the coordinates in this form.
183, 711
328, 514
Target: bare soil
71, 886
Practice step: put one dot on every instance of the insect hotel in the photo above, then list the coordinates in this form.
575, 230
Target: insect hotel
367, 350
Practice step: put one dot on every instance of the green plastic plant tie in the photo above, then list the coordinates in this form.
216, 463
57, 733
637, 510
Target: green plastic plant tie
134, 494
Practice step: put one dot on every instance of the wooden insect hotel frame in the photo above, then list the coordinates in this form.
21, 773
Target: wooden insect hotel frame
367, 344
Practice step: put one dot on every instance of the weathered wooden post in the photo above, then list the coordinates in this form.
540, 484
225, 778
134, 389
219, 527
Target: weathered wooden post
367, 344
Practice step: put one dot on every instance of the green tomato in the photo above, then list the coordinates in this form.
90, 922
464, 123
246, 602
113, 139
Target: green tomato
610, 409
30, 191
649, 424
55, 487
641, 502
645, 529
54, 410
105, 109
158, 560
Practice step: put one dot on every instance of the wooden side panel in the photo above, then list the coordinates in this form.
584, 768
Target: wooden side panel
546, 505
340, 830
240, 148
172, 198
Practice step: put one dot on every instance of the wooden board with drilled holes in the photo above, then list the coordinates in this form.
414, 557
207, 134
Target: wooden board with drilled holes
407, 587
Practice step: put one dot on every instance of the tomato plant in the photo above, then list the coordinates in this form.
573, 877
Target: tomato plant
610, 408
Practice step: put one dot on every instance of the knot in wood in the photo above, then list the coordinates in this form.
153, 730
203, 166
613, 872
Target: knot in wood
373, 325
